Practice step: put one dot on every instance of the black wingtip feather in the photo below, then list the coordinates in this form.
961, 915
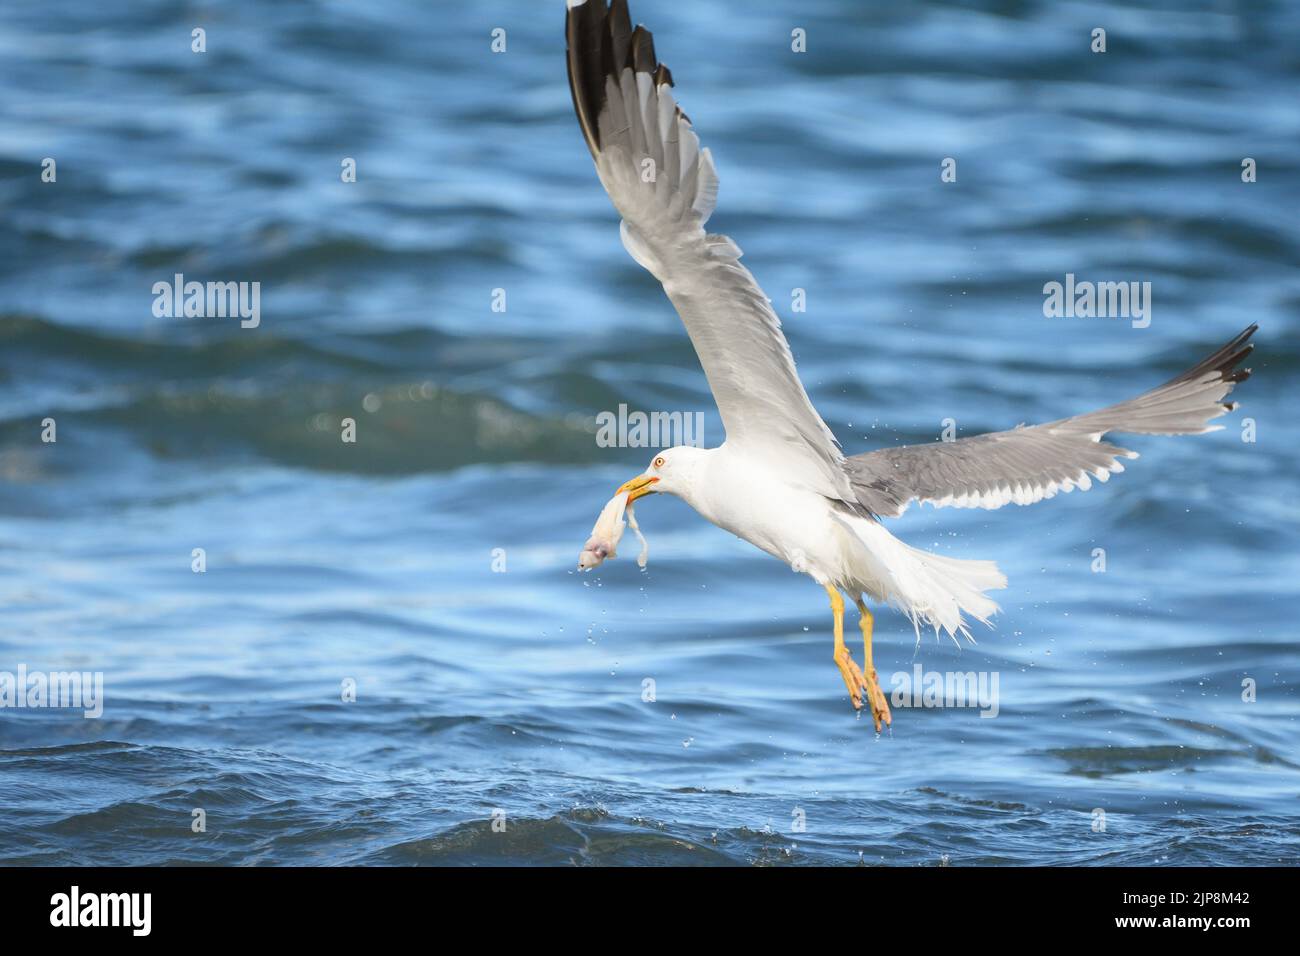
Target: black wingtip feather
619, 18
589, 57
620, 34
1225, 360
643, 50
602, 43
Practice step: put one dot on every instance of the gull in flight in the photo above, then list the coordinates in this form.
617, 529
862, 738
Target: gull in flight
780, 480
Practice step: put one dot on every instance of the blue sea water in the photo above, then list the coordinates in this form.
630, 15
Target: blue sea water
431, 562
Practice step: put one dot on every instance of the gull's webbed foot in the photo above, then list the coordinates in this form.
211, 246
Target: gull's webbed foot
853, 679
875, 696
862, 686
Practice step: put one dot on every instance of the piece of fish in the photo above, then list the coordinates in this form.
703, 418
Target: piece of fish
605, 534
608, 531
645, 547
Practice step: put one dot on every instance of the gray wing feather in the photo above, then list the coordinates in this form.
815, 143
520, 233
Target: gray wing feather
665, 187
1028, 464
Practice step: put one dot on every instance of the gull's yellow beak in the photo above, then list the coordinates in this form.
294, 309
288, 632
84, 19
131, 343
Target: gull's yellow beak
638, 487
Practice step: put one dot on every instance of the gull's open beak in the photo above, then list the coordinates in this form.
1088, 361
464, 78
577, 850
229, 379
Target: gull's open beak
638, 487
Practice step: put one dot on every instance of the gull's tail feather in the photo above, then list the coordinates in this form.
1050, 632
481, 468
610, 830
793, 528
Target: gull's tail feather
931, 589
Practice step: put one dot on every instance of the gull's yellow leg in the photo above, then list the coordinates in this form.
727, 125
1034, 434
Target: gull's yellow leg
853, 678
866, 622
879, 706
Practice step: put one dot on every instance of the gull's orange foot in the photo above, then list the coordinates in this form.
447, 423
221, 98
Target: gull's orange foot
853, 679
879, 705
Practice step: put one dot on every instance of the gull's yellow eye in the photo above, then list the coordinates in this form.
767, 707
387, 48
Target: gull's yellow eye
659, 462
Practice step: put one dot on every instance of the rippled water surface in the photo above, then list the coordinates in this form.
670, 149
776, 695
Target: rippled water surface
380, 562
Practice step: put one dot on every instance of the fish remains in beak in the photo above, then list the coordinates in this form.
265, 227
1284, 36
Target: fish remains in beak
609, 526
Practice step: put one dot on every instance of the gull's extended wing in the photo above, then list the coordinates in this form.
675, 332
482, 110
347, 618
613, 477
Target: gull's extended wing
665, 187
1026, 465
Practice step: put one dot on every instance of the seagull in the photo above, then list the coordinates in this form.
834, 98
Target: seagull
780, 480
